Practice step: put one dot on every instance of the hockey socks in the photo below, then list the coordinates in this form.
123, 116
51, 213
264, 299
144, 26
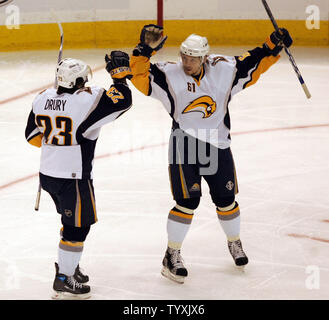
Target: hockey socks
229, 218
178, 224
69, 254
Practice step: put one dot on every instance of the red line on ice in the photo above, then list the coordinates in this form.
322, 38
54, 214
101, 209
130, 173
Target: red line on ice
307, 237
9, 184
281, 129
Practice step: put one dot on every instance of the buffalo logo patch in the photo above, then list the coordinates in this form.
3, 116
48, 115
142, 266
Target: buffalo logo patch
205, 104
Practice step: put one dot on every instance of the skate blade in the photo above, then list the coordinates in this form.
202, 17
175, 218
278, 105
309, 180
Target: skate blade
240, 268
240, 265
57, 295
166, 273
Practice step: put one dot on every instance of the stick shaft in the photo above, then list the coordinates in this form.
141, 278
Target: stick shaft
269, 13
37, 201
60, 53
299, 76
291, 58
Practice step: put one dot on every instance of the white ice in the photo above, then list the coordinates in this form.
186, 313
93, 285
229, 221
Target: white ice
280, 141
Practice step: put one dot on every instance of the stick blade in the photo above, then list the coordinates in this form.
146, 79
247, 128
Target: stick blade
37, 201
307, 92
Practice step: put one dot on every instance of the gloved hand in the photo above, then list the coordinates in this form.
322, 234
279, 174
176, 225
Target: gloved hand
151, 40
274, 44
117, 65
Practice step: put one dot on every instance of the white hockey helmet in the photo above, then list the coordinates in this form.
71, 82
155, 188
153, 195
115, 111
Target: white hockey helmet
69, 70
195, 46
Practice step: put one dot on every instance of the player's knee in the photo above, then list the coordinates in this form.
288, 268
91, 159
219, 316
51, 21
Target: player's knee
71, 233
223, 202
191, 203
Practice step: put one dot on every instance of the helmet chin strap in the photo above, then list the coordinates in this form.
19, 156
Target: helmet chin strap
200, 68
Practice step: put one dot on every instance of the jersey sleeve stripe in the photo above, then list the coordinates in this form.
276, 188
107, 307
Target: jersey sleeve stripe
262, 67
104, 112
36, 140
33, 133
250, 66
239, 83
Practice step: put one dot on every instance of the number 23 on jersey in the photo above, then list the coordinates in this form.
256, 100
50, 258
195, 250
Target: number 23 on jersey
57, 131
114, 94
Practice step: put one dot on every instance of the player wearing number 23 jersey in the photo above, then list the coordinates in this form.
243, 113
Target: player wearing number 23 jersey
65, 122
67, 126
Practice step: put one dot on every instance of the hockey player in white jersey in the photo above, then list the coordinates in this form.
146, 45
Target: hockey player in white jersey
196, 92
65, 122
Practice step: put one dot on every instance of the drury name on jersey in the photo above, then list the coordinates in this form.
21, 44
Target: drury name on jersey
55, 104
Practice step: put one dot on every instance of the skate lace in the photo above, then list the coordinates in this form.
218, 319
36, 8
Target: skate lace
176, 259
74, 283
237, 249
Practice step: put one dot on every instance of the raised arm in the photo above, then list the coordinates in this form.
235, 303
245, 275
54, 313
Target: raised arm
253, 63
151, 41
113, 102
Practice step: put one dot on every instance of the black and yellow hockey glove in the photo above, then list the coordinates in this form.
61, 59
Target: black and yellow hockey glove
275, 42
151, 40
117, 65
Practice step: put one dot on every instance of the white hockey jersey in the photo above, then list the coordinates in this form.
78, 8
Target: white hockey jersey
67, 126
199, 106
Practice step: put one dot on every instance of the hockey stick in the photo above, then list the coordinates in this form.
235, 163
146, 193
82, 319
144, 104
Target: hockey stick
291, 58
37, 201
60, 53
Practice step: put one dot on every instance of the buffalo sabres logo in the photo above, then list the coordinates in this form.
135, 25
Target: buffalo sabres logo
204, 104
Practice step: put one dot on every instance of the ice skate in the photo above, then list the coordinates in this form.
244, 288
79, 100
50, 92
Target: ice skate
79, 276
68, 288
173, 267
237, 253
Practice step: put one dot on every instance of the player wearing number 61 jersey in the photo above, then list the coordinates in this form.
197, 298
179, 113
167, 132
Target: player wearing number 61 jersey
65, 122
196, 93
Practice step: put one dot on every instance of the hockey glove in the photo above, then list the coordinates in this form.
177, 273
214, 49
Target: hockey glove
274, 44
151, 40
117, 65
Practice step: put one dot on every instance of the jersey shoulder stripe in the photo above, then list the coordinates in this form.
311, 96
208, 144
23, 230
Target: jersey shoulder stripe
159, 78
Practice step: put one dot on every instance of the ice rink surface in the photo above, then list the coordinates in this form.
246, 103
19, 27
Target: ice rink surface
280, 141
